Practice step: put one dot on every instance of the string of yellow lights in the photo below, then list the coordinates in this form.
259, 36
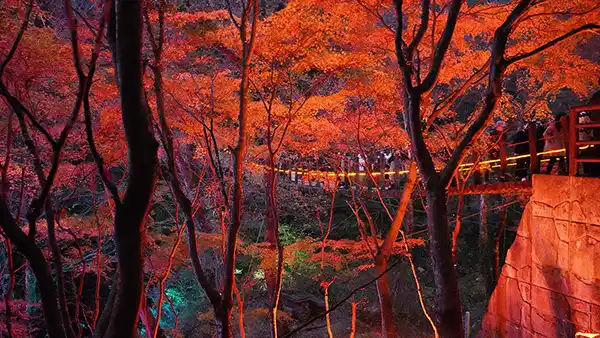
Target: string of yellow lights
464, 166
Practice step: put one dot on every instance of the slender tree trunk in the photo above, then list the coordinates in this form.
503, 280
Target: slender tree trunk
274, 274
9, 289
484, 252
447, 310
456, 231
327, 316
98, 270
353, 327
498, 240
30, 290
409, 220
104, 320
173, 175
58, 270
240, 301
388, 320
37, 262
239, 154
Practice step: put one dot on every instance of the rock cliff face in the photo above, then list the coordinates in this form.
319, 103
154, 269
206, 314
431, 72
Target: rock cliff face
550, 284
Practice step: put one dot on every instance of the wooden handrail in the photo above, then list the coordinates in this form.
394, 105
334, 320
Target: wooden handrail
574, 142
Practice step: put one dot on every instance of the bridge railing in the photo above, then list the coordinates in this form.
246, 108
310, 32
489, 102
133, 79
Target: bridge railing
575, 144
303, 174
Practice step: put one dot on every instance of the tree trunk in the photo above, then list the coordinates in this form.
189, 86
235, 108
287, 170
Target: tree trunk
409, 219
458, 223
273, 274
173, 175
104, 320
30, 294
447, 310
484, 251
239, 154
498, 240
37, 262
58, 270
9, 289
353, 327
142, 150
388, 320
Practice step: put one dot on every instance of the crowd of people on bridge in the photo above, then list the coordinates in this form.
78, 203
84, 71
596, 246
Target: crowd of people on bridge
551, 146
552, 143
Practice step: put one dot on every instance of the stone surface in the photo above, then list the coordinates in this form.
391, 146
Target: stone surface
550, 286
545, 243
524, 274
595, 320
584, 197
521, 256
583, 255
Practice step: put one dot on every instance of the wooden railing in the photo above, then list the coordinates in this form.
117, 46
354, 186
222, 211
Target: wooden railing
575, 144
353, 171
378, 170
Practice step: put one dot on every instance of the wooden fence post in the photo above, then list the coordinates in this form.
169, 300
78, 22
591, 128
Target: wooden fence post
572, 139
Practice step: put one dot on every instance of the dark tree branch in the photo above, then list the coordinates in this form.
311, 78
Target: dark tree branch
39, 202
552, 43
422, 28
37, 262
498, 65
376, 14
442, 47
72, 24
18, 38
450, 99
399, 41
21, 110
231, 16
89, 131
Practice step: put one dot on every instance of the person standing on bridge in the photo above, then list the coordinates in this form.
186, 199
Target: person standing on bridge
496, 136
554, 138
591, 134
520, 140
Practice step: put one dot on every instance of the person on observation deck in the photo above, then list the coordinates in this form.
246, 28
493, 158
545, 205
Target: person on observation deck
554, 138
591, 134
520, 139
494, 154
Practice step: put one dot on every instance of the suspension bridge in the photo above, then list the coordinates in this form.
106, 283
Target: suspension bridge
367, 178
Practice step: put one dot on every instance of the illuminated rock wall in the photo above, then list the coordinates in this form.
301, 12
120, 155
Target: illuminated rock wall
550, 284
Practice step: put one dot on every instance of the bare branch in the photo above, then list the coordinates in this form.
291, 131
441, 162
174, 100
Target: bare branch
231, 16
422, 28
496, 73
519, 57
447, 101
442, 47
399, 41
18, 38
